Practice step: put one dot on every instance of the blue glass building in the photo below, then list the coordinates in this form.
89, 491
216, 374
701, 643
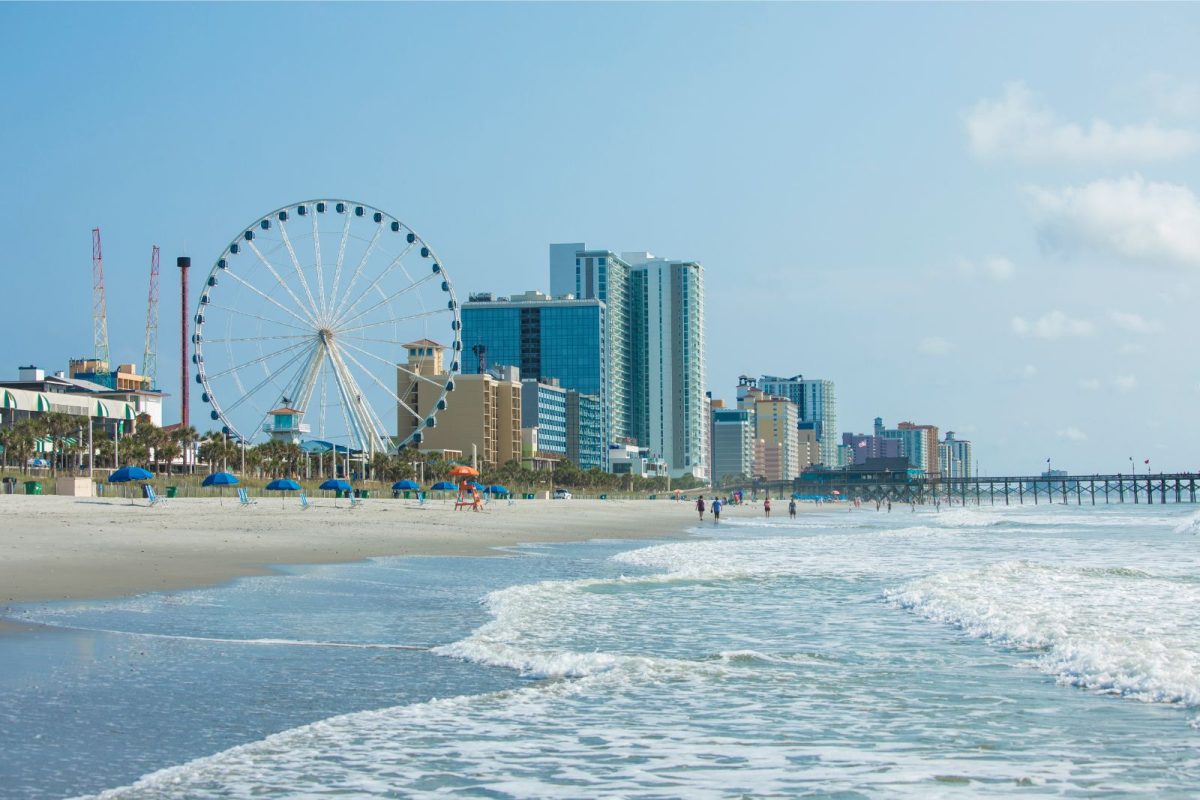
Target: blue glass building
545, 338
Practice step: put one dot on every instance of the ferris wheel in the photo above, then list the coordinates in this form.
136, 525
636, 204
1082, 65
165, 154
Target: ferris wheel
309, 317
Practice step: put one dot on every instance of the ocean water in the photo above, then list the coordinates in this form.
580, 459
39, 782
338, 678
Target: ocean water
974, 652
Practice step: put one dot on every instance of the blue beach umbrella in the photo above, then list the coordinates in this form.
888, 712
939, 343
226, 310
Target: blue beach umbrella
405, 486
127, 474
497, 489
220, 480
443, 486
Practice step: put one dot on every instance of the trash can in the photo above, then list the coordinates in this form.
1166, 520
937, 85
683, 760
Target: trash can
33, 487
172, 491
603, 497
365, 494
396, 494
653, 497
339, 494
529, 496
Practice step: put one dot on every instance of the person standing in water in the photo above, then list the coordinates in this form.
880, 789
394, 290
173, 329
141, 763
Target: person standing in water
792, 508
716, 509
767, 507
700, 506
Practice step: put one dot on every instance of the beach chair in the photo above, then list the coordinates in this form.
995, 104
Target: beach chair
150, 494
244, 499
304, 504
355, 501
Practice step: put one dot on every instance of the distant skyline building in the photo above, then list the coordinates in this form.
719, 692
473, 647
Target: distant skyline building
914, 443
777, 454
931, 443
733, 436
956, 457
816, 402
861, 447
544, 406
586, 446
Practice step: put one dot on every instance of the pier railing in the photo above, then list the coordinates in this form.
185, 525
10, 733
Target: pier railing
1161, 488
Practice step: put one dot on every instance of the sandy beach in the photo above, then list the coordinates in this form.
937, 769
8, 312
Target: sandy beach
55, 548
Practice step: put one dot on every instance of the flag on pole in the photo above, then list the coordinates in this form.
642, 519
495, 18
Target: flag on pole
1147, 461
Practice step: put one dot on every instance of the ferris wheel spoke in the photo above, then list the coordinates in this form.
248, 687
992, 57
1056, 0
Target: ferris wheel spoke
387, 270
371, 339
386, 300
258, 360
311, 325
257, 338
366, 256
381, 384
341, 257
320, 269
387, 389
307, 329
270, 379
394, 365
279, 280
392, 321
287, 242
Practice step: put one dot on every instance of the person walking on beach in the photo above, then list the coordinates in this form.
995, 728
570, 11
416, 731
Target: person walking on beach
716, 509
792, 508
767, 507
700, 506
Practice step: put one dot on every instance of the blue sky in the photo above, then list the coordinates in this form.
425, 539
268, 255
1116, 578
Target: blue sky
978, 216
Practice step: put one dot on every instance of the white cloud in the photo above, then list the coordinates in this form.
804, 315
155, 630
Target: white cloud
1021, 125
1129, 217
1091, 384
1054, 325
933, 346
997, 268
1126, 383
1072, 433
1135, 323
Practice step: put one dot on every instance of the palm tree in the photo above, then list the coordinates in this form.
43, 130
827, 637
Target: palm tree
184, 437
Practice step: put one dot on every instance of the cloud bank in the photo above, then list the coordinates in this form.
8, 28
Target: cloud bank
1131, 218
1020, 125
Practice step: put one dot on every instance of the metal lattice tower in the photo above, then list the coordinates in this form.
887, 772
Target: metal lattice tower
99, 312
150, 353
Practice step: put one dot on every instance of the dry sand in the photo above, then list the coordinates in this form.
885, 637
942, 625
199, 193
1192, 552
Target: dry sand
54, 548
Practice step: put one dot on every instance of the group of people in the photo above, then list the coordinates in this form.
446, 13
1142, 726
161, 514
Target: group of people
718, 503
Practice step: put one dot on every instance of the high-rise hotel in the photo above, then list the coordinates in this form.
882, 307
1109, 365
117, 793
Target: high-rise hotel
641, 345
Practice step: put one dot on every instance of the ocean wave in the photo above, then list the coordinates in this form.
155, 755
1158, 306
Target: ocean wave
1114, 630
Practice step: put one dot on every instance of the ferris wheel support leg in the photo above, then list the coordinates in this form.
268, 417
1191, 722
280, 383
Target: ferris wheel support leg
300, 392
357, 406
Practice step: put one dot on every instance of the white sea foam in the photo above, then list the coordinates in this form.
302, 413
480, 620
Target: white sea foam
693, 678
1115, 630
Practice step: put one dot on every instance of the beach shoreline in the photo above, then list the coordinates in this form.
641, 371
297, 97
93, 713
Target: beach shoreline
63, 548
